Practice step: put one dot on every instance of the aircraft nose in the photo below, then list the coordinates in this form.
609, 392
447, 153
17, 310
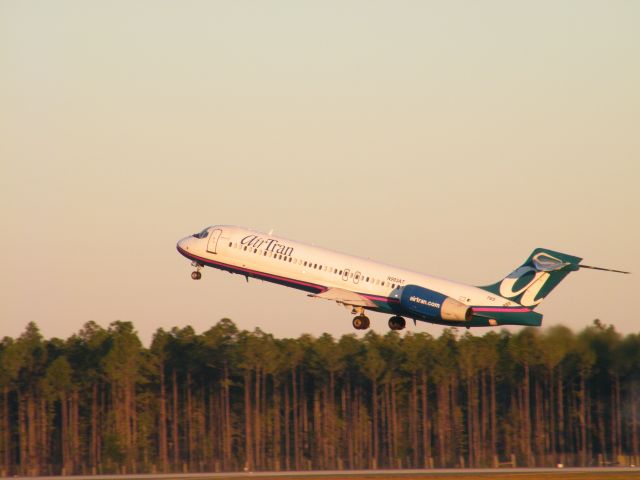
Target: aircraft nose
183, 244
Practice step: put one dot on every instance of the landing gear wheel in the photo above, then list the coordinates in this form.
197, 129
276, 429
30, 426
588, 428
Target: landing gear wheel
196, 275
397, 323
360, 322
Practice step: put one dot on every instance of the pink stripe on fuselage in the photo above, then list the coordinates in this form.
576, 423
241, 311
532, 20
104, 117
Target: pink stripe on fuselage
500, 309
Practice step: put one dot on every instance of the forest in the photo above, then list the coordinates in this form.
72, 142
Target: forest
230, 399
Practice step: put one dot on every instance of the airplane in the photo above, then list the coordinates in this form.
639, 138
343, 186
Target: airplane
360, 284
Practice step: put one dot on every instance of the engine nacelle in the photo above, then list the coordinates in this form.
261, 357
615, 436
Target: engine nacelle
424, 303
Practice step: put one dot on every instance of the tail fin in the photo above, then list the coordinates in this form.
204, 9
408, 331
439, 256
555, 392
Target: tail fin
530, 283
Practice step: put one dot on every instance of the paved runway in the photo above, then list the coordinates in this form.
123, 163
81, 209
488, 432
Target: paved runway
452, 472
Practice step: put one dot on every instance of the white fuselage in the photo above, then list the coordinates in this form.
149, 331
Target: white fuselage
316, 269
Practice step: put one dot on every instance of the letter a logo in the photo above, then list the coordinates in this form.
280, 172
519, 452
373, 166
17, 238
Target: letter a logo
529, 291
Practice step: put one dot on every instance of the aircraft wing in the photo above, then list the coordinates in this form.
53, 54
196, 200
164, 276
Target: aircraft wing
344, 297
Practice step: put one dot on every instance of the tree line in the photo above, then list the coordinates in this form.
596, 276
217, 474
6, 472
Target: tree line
230, 399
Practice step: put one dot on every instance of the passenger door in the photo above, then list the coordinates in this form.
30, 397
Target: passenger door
214, 236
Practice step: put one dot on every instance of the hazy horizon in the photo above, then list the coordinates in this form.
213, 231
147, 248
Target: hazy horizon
449, 138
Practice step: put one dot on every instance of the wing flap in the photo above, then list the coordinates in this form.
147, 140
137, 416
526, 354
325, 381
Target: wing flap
344, 297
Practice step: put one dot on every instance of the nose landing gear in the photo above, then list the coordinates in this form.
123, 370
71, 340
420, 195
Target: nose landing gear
196, 275
397, 323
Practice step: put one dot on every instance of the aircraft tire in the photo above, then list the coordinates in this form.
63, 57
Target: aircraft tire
196, 275
360, 322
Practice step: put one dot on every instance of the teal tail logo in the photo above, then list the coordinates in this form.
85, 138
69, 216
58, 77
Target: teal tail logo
530, 283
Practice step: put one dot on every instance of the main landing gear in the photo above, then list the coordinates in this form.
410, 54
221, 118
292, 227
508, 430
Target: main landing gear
361, 322
397, 323
196, 275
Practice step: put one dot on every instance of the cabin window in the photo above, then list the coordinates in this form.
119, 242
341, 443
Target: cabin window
230, 244
245, 248
255, 250
383, 284
315, 265
290, 259
367, 279
340, 272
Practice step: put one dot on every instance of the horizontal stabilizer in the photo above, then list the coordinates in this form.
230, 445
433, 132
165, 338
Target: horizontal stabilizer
603, 269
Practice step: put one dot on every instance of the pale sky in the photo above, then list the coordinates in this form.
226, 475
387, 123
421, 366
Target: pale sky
451, 138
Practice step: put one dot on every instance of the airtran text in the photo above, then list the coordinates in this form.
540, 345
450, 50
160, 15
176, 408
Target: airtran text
268, 244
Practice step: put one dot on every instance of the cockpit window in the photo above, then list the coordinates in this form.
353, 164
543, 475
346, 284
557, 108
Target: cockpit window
203, 234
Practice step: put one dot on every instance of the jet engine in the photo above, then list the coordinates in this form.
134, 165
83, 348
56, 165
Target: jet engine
421, 302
